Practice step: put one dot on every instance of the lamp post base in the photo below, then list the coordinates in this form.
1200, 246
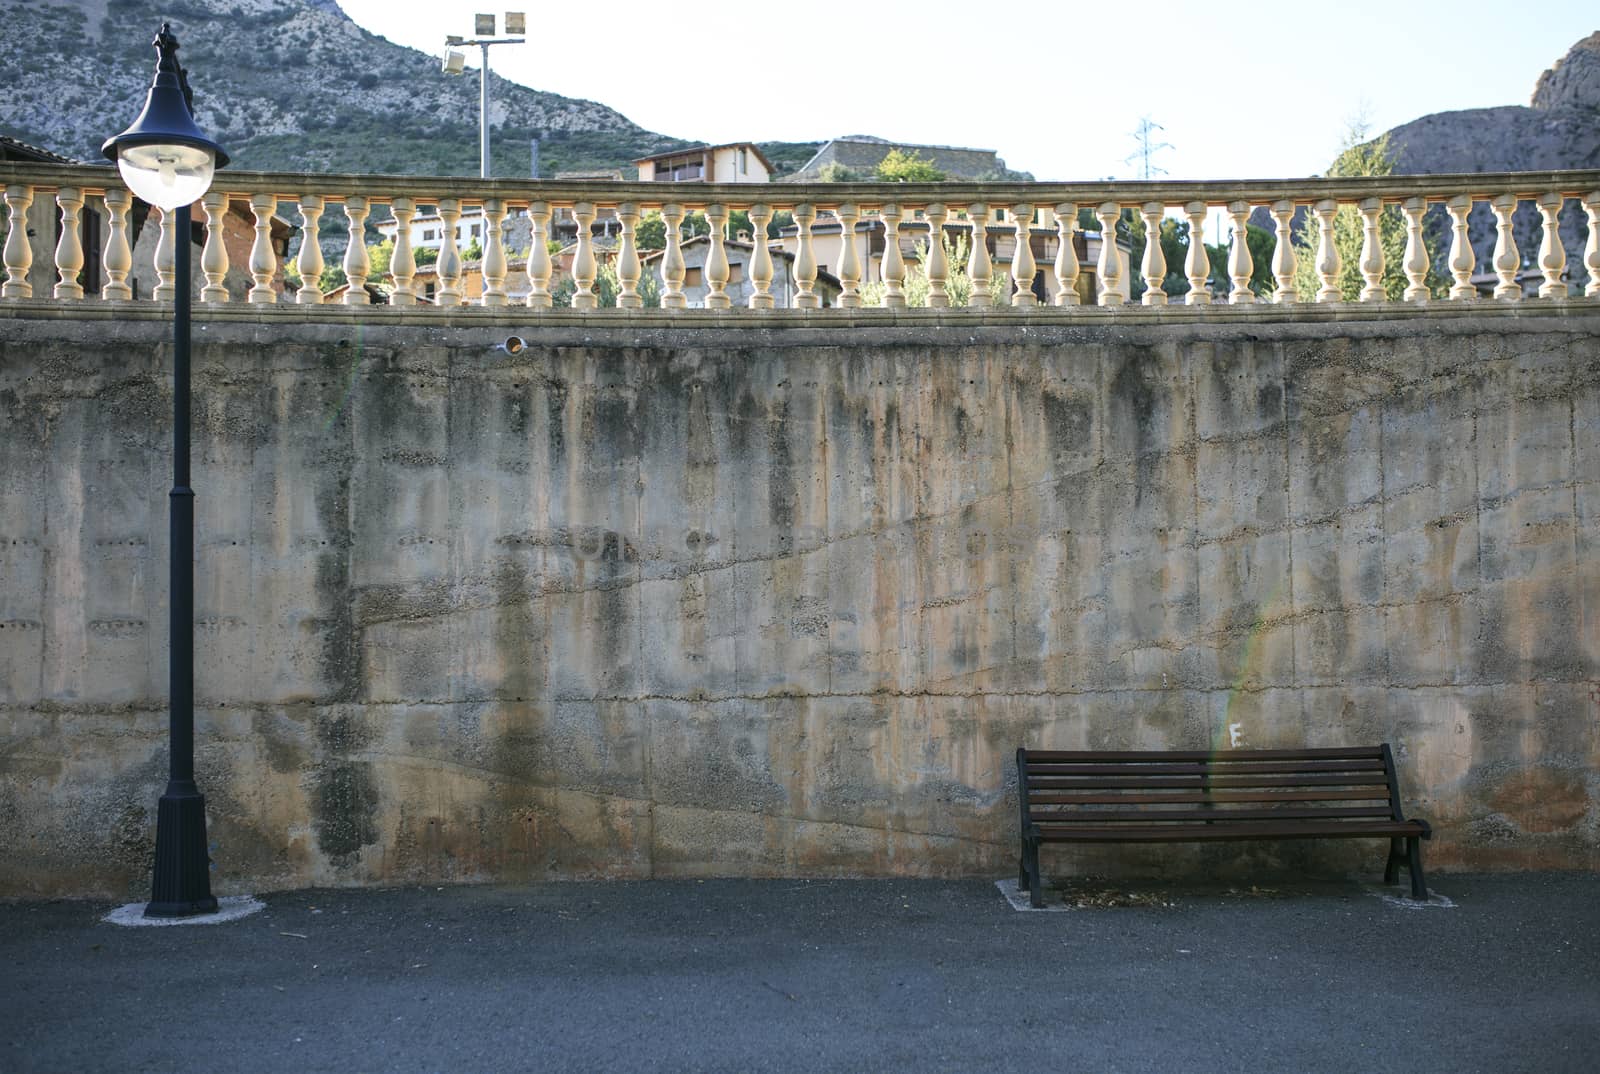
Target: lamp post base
182, 885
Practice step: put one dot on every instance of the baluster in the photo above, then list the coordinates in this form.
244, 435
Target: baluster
1066, 255
1371, 250
628, 272
1110, 256
166, 251
1507, 259
118, 257
1591, 249
760, 258
1241, 266
716, 270
1023, 266
1462, 257
672, 266
1154, 265
539, 264
1416, 262
1552, 256
356, 262
309, 261
494, 252
1283, 262
214, 257
1197, 265
805, 262
449, 263
894, 266
938, 264
263, 261
1327, 253
18, 252
980, 269
583, 263
69, 248
402, 263
849, 260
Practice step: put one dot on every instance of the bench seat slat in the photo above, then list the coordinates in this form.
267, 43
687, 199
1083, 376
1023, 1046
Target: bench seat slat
1289, 768
1156, 783
1097, 756
1219, 816
1184, 833
1376, 794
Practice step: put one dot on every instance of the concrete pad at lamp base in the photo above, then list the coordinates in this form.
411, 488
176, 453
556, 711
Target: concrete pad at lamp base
229, 908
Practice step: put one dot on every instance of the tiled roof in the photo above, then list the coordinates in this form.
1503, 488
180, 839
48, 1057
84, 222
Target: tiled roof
13, 149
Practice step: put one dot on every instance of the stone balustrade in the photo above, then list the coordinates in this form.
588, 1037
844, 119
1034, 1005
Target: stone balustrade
1031, 255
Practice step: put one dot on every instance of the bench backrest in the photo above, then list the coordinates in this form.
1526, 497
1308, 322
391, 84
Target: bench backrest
1060, 789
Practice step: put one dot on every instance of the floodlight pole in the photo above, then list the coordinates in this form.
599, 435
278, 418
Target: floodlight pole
483, 44
483, 113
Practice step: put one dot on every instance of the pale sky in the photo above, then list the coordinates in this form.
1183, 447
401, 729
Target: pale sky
1056, 88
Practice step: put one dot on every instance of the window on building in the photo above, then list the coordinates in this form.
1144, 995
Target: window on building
427, 290
735, 272
744, 165
475, 228
692, 277
428, 235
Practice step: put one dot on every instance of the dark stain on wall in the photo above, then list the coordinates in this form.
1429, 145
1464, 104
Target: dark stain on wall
345, 809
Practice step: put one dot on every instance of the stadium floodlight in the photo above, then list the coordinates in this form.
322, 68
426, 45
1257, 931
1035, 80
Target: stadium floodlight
455, 63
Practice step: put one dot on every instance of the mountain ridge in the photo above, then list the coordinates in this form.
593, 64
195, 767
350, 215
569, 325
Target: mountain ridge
409, 120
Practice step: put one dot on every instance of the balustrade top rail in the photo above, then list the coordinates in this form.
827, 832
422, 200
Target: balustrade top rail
1025, 215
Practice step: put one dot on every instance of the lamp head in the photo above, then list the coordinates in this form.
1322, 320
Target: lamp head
164, 157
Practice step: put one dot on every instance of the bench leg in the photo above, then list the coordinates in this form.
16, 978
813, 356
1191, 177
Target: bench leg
1419, 887
1022, 871
1030, 864
1391, 868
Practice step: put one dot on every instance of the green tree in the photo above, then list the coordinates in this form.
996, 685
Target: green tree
902, 167
958, 285
651, 231
838, 173
473, 252
1359, 156
1175, 250
607, 286
381, 255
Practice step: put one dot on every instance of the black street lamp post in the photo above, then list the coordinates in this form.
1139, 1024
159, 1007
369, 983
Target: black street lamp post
166, 160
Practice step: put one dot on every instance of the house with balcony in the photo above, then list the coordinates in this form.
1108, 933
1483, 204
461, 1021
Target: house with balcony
735, 162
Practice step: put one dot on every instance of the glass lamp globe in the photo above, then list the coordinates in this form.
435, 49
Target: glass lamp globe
166, 176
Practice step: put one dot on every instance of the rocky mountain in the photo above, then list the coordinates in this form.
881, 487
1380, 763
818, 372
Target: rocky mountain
1559, 128
287, 84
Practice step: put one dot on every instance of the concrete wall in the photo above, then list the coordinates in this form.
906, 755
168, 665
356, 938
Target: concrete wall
755, 599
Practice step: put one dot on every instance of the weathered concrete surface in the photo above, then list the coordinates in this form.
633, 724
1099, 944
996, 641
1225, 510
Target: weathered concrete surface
663, 600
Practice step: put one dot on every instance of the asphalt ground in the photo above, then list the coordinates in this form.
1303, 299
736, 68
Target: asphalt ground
848, 975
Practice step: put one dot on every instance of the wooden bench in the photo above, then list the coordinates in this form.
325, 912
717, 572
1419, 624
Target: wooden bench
1087, 796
